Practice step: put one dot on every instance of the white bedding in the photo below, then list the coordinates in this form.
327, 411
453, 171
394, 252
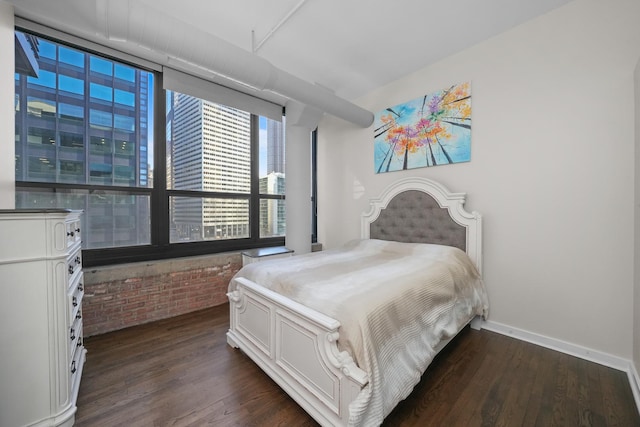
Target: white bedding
395, 302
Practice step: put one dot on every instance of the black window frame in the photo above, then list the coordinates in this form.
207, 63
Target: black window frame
314, 186
160, 246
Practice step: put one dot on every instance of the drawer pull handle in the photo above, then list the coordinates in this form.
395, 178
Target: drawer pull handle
73, 334
81, 287
78, 316
78, 260
78, 230
79, 344
74, 301
73, 367
70, 233
71, 269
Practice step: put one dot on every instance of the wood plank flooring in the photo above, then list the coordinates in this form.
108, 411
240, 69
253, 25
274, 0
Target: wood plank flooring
181, 372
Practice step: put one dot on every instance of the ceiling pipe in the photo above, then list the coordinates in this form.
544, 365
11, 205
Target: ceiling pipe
129, 21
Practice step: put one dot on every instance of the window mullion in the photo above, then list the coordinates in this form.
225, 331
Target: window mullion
254, 204
160, 196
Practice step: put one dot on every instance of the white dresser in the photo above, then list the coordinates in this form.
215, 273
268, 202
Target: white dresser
41, 290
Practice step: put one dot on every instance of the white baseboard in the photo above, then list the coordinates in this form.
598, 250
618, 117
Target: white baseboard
585, 353
634, 382
559, 345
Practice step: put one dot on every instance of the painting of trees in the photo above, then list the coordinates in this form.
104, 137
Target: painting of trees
434, 129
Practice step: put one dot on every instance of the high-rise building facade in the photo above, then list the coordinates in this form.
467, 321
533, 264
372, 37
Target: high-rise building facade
82, 120
272, 211
211, 152
275, 147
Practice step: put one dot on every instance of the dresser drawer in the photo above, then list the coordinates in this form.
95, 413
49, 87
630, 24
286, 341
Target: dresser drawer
73, 232
74, 265
75, 369
75, 295
76, 355
75, 335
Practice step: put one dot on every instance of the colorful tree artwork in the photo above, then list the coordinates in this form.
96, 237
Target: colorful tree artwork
431, 130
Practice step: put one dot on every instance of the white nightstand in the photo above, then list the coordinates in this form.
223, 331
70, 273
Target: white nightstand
263, 254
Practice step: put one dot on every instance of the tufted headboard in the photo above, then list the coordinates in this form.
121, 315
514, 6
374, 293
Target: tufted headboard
419, 210
416, 217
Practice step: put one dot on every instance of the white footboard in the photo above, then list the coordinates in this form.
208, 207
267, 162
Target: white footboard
296, 346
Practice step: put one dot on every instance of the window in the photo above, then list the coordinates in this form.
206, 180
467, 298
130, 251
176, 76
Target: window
159, 171
63, 160
211, 170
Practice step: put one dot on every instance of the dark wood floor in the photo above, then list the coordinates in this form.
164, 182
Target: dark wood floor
181, 372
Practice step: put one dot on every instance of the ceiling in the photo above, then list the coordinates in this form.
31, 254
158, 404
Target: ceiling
347, 46
354, 46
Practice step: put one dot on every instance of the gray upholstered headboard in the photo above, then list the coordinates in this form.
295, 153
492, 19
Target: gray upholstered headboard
419, 210
415, 217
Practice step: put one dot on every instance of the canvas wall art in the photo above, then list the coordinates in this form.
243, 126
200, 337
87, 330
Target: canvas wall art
434, 129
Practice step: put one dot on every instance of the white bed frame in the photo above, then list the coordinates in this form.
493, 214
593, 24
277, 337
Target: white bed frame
296, 346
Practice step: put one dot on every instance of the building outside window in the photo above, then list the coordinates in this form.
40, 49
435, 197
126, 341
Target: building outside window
272, 179
210, 146
272, 211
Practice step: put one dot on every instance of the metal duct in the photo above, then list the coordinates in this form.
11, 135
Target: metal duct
148, 28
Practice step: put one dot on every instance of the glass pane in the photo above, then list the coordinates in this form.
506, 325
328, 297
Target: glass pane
101, 92
195, 219
271, 157
41, 168
101, 173
71, 56
272, 218
125, 73
45, 78
71, 84
71, 114
208, 146
72, 171
46, 49
125, 98
111, 219
71, 140
100, 119
41, 136
100, 144
100, 65
125, 123
124, 147
41, 108
123, 174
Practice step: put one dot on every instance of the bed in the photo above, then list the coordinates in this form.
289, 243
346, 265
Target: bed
345, 332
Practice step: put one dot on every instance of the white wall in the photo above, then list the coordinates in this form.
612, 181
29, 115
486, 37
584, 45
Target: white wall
552, 169
7, 112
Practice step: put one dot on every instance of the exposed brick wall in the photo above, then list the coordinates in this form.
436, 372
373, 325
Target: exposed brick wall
120, 296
